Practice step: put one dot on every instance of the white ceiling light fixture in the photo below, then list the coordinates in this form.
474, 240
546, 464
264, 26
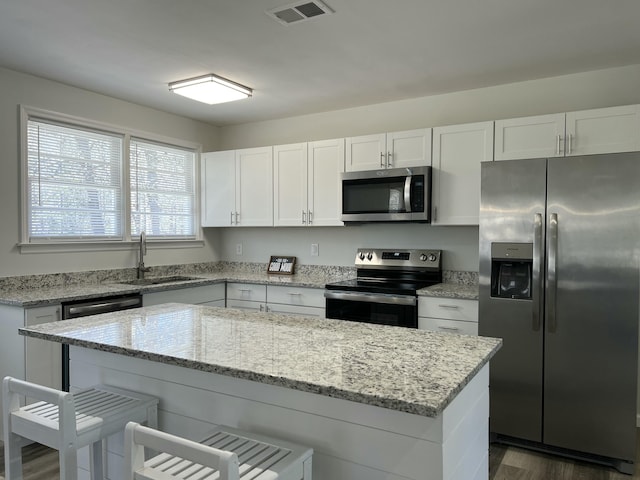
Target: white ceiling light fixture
210, 89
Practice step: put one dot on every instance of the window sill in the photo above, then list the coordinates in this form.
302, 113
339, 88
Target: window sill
62, 247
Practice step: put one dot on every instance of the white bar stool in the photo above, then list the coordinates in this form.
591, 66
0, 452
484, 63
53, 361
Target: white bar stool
225, 454
68, 422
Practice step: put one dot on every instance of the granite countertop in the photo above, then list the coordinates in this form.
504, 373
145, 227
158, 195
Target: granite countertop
451, 290
40, 295
403, 369
41, 290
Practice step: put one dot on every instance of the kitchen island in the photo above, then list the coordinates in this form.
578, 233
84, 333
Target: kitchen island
374, 402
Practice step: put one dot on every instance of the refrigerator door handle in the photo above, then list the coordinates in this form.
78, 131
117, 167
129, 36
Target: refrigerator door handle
537, 278
552, 280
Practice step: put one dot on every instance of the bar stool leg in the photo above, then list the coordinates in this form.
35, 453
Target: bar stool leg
96, 465
12, 442
13, 457
68, 462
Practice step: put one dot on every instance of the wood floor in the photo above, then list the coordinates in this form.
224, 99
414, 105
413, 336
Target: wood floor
513, 463
505, 463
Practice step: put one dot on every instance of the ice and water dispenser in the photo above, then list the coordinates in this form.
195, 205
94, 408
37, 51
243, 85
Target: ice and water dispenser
511, 267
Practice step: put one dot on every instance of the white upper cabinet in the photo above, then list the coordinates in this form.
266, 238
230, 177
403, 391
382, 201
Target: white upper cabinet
237, 188
587, 132
218, 190
605, 130
290, 185
307, 183
458, 151
410, 148
326, 163
254, 187
529, 137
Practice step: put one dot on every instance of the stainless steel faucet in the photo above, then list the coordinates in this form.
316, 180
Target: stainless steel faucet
143, 251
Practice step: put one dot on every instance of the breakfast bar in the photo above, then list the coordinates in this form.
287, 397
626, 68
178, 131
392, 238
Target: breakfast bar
374, 402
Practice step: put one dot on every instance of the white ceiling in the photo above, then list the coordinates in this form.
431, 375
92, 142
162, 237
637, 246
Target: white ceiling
368, 51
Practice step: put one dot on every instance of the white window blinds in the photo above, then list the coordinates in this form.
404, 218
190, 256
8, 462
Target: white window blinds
74, 182
162, 190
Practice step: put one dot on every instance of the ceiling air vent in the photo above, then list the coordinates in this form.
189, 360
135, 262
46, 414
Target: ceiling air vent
299, 12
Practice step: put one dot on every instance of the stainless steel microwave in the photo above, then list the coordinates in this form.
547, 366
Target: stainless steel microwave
389, 195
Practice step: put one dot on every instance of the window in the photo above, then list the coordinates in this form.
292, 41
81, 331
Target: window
162, 190
74, 184
86, 182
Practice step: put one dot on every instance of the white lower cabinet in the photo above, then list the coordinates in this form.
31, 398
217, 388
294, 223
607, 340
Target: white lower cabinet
30, 359
276, 299
247, 296
212, 295
453, 315
43, 359
296, 300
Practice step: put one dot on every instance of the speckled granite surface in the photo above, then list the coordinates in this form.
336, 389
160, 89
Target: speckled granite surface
40, 290
451, 290
403, 369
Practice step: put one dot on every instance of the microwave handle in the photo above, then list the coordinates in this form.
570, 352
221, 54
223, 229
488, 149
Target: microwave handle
407, 194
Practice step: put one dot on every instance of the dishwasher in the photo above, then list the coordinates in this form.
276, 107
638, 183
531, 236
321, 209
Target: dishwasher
84, 308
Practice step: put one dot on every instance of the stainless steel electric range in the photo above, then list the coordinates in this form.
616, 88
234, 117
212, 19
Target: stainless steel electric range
385, 288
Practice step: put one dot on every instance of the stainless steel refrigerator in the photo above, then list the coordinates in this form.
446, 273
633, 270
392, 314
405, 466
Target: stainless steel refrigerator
559, 282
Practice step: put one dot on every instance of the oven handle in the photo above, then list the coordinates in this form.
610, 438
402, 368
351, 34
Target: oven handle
108, 306
371, 297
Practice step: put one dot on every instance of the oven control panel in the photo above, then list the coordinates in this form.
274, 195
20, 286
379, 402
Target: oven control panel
379, 257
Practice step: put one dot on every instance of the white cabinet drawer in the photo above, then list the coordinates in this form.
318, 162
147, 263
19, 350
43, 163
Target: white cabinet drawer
247, 291
295, 310
308, 297
448, 308
246, 305
447, 326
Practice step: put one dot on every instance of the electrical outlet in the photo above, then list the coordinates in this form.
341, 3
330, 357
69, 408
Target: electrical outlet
314, 250
238, 249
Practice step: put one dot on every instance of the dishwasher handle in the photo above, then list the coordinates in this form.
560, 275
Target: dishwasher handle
84, 309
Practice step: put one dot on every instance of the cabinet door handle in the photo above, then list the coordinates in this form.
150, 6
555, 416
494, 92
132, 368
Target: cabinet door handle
381, 160
295, 293
389, 163
310, 216
304, 217
570, 146
231, 218
558, 139
455, 307
449, 329
237, 218
261, 307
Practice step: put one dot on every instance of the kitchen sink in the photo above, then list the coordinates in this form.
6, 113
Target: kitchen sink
159, 280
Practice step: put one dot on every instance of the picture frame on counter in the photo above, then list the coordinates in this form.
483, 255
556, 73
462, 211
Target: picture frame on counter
281, 265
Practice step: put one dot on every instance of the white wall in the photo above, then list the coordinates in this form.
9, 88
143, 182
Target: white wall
337, 245
19, 89
602, 88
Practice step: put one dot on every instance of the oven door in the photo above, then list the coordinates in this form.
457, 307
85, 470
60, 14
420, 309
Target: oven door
383, 309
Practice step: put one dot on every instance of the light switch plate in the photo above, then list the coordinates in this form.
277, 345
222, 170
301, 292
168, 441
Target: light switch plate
238, 249
314, 250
